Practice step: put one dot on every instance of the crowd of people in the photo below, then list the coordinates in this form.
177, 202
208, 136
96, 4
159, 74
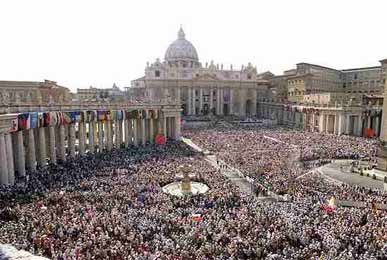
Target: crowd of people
111, 205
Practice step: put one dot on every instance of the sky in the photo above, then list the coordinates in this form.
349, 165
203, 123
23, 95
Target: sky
96, 43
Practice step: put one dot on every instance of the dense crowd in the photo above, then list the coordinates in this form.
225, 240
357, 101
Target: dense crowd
111, 206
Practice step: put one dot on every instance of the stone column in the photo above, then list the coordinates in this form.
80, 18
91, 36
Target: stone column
52, 150
135, 132
254, 103
151, 131
178, 95
336, 129
71, 141
193, 102
62, 147
165, 133
221, 101
31, 162
131, 132
321, 123
100, 136
91, 137
10, 161
368, 121
200, 101
42, 147
3, 160
119, 133
377, 122
347, 124
231, 101
20, 154
126, 132
109, 135
359, 130
211, 100
189, 102
143, 132
81, 137
177, 127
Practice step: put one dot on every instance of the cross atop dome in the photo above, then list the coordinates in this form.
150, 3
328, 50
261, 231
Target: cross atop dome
181, 34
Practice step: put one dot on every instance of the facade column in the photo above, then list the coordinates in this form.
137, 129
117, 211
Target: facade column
119, 133
20, 154
347, 124
193, 101
200, 101
368, 121
218, 101
221, 101
143, 132
126, 132
62, 147
321, 123
231, 101
165, 128
3, 160
151, 131
81, 138
135, 132
177, 127
189, 102
31, 163
359, 126
42, 147
71, 141
91, 137
100, 136
52, 153
10, 161
211, 100
336, 129
377, 122
109, 135
178, 95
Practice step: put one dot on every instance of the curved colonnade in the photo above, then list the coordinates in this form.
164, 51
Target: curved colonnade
30, 140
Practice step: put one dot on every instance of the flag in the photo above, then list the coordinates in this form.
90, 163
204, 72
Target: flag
67, 118
33, 119
23, 121
46, 117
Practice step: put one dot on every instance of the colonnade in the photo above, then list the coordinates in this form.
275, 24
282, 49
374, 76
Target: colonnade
28, 146
334, 120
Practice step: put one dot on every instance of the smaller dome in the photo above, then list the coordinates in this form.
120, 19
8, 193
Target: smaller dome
181, 49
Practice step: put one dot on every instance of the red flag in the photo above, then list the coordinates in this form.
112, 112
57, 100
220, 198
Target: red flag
160, 139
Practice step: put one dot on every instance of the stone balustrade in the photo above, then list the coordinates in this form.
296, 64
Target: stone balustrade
31, 138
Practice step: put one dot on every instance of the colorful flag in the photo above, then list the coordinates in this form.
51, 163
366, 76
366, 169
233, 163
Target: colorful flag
23, 121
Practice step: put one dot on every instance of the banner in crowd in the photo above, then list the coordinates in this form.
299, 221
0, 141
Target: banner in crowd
160, 139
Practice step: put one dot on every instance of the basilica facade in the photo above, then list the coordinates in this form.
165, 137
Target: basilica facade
201, 90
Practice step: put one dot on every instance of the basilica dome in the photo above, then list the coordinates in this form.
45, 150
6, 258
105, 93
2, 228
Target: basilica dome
181, 50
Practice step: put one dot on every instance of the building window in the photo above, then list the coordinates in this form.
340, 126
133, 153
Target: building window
248, 76
157, 73
355, 76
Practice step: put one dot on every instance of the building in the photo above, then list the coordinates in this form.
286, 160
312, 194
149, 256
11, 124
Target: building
100, 94
33, 92
315, 79
201, 90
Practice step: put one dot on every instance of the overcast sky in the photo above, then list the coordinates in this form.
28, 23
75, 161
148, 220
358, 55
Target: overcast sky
81, 43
